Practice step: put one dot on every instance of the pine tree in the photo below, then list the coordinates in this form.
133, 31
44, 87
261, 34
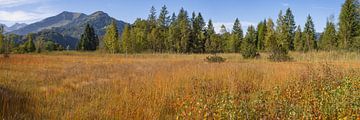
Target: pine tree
2, 41
126, 40
298, 40
138, 36
111, 38
329, 39
152, 18
349, 24
198, 36
172, 43
40, 44
184, 27
210, 33
309, 35
289, 30
29, 44
89, 40
270, 37
261, 33
248, 46
163, 26
236, 36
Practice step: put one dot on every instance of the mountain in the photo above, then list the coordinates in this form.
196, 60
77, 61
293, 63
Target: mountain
16, 26
13, 27
67, 27
62, 19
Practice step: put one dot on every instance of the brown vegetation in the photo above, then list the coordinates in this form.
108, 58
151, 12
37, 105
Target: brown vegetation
167, 86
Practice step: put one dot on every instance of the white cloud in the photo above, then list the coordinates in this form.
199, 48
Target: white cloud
21, 16
14, 3
285, 4
12, 14
229, 25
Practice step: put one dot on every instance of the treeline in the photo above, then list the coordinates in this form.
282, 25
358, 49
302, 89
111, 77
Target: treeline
184, 33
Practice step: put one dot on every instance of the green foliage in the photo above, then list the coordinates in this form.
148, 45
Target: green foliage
89, 40
349, 24
111, 38
309, 35
215, 59
329, 39
40, 44
126, 40
298, 40
29, 45
248, 46
236, 37
270, 38
261, 33
210, 33
279, 54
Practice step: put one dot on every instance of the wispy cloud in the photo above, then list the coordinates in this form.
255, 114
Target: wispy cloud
14, 14
14, 3
285, 4
229, 25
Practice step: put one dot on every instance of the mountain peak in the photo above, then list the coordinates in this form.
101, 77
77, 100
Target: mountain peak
99, 13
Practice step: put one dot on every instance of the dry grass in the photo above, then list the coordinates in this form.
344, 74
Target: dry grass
169, 86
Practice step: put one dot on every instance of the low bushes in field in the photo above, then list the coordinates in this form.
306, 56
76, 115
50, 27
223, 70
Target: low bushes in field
215, 59
319, 94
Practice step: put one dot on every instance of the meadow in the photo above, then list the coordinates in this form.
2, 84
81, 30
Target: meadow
74, 85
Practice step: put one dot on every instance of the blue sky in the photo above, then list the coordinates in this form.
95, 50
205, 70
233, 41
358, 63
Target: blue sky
250, 12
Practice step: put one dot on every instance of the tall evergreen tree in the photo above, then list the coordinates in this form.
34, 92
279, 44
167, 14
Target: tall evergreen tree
29, 44
2, 41
298, 40
138, 36
248, 46
172, 43
210, 33
261, 33
270, 37
349, 24
163, 27
89, 40
111, 38
198, 36
184, 27
126, 40
236, 36
309, 35
289, 30
329, 39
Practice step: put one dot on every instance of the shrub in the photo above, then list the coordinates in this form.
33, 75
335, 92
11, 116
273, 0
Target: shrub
279, 54
215, 59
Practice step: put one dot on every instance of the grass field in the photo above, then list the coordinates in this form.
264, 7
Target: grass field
71, 85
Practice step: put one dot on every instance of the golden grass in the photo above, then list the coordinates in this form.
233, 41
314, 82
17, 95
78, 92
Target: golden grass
72, 85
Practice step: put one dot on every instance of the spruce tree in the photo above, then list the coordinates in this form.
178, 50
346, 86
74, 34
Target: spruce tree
111, 38
163, 27
261, 33
210, 33
248, 46
270, 37
198, 36
29, 44
298, 40
184, 27
2, 41
289, 30
89, 40
172, 43
125, 40
236, 36
349, 24
329, 39
309, 35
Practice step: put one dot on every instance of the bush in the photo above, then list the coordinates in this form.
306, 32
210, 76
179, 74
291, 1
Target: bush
215, 59
279, 54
